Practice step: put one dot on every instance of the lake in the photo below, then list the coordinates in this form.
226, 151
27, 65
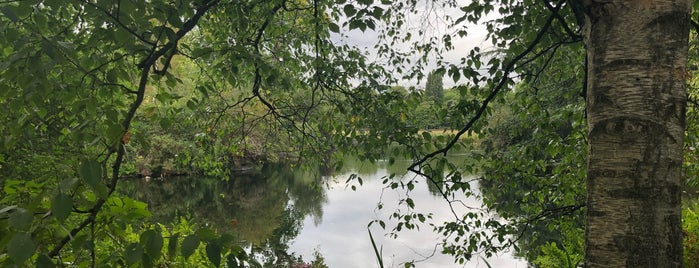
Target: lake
286, 214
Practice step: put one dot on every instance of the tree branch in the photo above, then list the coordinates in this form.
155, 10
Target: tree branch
508, 69
118, 147
564, 24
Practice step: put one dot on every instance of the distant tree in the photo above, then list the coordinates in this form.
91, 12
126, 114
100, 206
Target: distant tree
434, 89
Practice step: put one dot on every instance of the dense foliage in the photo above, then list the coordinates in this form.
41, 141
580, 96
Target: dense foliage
93, 91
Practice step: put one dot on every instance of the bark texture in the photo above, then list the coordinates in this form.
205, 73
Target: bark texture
637, 53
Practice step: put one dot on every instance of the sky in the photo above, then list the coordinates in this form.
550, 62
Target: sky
433, 25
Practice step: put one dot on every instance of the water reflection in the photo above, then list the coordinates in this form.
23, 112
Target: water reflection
284, 214
343, 237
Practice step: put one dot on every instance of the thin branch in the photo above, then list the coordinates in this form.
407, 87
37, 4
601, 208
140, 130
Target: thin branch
547, 213
693, 101
118, 22
695, 25
508, 69
566, 28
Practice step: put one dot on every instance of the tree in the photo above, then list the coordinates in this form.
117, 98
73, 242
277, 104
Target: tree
533, 169
636, 98
75, 74
635, 136
434, 89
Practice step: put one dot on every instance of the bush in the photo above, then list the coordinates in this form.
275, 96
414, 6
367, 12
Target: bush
690, 227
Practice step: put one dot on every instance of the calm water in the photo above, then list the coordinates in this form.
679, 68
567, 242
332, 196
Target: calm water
288, 214
342, 238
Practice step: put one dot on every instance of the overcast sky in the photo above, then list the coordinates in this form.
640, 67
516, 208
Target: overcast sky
432, 25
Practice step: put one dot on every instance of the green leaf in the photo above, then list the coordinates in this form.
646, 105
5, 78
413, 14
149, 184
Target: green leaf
163, 97
213, 252
172, 245
133, 253
192, 105
206, 234
20, 248
91, 172
349, 10
354, 24
231, 261
165, 122
198, 52
189, 245
152, 242
44, 261
410, 202
427, 136
377, 13
61, 206
21, 219
9, 14
334, 27
67, 184
174, 19
378, 252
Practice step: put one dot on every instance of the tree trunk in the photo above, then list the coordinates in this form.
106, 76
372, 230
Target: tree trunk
637, 54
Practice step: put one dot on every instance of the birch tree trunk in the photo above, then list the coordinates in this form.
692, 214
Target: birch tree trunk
637, 53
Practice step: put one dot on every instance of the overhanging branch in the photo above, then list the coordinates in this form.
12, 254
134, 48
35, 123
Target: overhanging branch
493, 93
118, 147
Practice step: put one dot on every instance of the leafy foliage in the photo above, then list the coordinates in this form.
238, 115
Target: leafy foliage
690, 228
91, 91
434, 89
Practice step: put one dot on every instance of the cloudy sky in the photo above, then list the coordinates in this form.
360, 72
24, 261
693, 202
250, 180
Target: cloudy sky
431, 21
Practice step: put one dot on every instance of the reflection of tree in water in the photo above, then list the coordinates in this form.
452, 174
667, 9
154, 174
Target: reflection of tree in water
435, 187
265, 209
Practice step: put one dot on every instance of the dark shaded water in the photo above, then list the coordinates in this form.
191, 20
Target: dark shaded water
285, 213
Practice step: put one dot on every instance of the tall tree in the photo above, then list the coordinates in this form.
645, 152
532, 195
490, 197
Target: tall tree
636, 97
434, 88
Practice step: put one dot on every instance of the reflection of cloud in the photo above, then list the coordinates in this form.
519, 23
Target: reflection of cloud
343, 239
